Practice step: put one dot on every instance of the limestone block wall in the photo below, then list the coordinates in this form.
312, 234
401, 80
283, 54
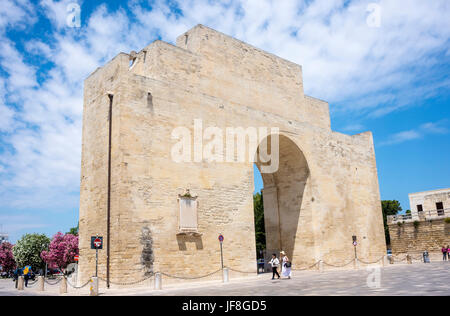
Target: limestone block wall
415, 238
326, 187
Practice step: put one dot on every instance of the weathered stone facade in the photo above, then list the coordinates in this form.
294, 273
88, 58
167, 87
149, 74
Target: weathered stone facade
415, 237
325, 190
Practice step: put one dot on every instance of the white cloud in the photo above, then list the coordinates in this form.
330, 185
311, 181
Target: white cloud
16, 13
436, 128
422, 131
343, 58
402, 137
16, 223
57, 11
355, 127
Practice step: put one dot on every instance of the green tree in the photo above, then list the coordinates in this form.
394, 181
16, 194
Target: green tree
389, 207
74, 230
260, 230
28, 250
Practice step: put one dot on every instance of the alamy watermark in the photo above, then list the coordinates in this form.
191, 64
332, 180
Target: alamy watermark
73, 18
373, 280
374, 17
232, 145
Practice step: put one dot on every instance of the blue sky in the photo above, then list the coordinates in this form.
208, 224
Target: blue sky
391, 78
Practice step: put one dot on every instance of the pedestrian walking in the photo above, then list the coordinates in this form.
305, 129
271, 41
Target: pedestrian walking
444, 253
274, 263
286, 265
17, 274
26, 274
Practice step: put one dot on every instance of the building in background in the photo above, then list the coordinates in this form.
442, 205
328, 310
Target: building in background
430, 204
4, 237
426, 228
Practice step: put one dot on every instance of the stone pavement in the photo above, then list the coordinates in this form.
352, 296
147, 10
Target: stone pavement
417, 279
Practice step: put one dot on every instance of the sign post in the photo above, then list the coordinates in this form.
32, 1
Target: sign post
221, 251
355, 243
96, 243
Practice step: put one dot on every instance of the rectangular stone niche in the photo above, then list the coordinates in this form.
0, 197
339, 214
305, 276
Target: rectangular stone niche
187, 216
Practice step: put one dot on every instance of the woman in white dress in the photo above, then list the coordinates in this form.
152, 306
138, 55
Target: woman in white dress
285, 270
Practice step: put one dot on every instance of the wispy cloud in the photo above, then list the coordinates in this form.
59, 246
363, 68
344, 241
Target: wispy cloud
354, 127
421, 132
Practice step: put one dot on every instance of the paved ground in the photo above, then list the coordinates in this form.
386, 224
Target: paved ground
418, 279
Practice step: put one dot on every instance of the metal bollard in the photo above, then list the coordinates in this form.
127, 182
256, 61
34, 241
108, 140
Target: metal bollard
63, 286
21, 283
93, 291
320, 266
225, 275
158, 281
41, 282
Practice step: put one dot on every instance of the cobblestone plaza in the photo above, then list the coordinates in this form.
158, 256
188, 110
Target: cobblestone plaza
397, 280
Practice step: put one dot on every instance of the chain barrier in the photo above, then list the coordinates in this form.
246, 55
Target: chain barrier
50, 283
190, 278
370, 262
238, 271
33, 283
309, 268
128, 283
398, 260
148, 277
78, 287
338, 266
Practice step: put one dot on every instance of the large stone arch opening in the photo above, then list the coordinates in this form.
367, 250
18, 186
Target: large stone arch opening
283, 196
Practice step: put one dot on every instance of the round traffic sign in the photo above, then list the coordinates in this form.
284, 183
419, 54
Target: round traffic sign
355, 243
221, 238
98, 242
76, 257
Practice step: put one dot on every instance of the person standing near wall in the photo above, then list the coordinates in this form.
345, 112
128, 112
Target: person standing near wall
274, 264
444, 253
286, 265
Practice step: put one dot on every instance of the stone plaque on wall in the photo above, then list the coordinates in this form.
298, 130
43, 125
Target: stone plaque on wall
187, 217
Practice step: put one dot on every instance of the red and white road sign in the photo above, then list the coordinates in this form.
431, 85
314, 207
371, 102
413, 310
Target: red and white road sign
98, 242
76, 258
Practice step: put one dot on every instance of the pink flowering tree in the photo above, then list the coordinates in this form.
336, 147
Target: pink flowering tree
6, 257
61, 251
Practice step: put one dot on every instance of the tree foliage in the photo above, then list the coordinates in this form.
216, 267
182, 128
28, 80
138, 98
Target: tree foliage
28, 250
74, 230
62, 251
7, 260
389, 207
260, 230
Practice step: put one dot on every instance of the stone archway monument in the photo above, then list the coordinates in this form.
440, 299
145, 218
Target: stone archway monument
170, 137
